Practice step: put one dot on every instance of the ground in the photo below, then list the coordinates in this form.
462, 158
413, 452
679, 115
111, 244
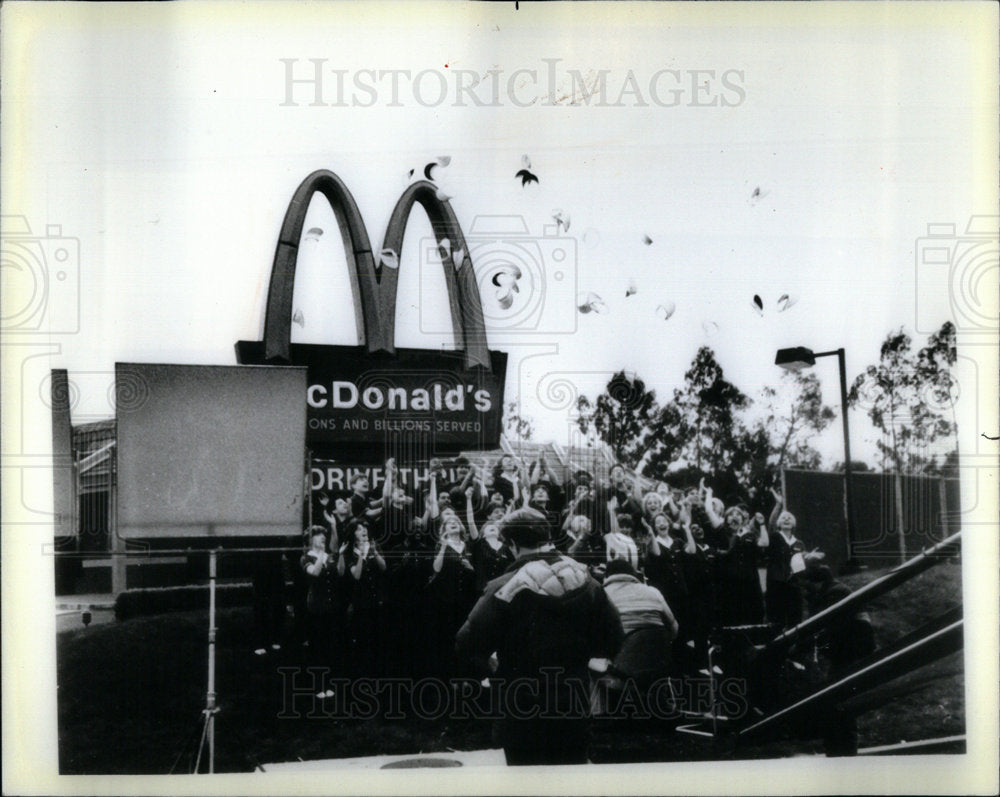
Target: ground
131, 696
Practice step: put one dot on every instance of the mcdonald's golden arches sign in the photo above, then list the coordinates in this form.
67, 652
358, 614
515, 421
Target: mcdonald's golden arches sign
361, 395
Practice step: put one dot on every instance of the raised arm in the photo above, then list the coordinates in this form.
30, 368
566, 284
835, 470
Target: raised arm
432, 501
390, 475
314, 568
522, 486
467, 480
714, 518
654, 544
551, 474
358, 567
470, 516
668, 502
578, 544
438, 562
762, 539
525, 492
379, 561
779, 504
690, 546
481, 482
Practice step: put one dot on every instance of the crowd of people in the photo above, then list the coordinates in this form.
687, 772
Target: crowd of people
387, 579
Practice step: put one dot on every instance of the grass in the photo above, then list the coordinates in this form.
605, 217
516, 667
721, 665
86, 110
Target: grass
932, 704
131, 696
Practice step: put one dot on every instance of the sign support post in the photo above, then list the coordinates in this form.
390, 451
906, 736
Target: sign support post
208, 729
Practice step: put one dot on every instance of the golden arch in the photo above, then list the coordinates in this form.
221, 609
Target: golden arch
374, 290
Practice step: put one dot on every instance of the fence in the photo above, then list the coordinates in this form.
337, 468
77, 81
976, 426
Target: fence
888, 529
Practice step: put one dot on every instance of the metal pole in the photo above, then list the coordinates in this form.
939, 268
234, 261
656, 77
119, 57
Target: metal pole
851, 565
931, 557
119, 564
208, 729
932, 647
307, 493
210, 702
711, 691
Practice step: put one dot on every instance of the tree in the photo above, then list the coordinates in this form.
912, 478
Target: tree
937, 383
903, 397
700, 428
668, 441
906, 397
751, 471
794, 414
515, 425
708, 405
623, 416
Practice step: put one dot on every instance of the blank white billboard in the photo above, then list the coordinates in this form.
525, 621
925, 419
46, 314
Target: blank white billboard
210, 451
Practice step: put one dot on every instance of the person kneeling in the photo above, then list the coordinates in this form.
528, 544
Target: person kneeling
648, 623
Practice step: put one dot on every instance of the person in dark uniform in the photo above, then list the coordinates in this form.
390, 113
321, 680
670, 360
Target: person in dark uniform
409, 568
456, 490
324, 612
665, 571
698, 564
541, 502
336, 514
365, 569
785, 560
545, 615
363, 507
619, 498
740, 598
508, 480
398, 510
450, 593
585, 541
490, 556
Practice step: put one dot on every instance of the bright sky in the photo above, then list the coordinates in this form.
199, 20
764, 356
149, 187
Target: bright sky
170, 155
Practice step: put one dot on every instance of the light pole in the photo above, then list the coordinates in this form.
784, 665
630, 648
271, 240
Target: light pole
795, 359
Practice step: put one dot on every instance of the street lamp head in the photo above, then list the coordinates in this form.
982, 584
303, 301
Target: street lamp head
795, 359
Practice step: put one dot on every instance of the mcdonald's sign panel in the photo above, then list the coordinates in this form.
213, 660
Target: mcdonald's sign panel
368, 394
353, 397
413, 475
